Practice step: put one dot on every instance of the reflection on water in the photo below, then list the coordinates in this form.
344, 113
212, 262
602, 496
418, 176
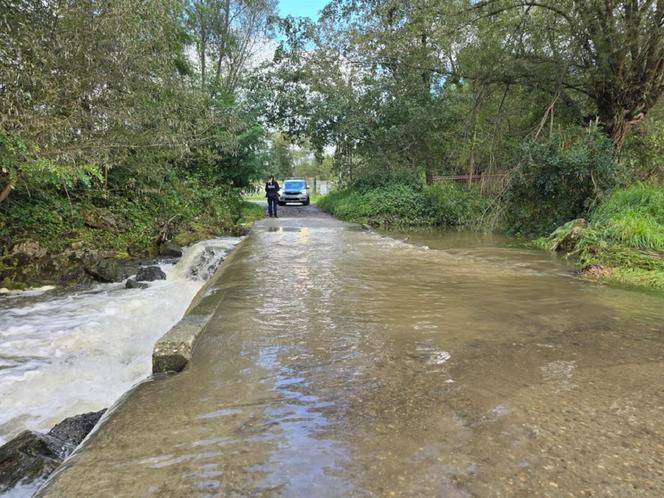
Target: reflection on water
347, 363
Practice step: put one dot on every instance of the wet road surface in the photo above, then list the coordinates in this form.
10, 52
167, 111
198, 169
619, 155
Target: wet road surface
345, 363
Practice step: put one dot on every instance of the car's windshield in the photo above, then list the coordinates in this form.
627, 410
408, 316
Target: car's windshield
294, 185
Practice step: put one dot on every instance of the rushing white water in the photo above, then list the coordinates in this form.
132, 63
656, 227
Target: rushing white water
61, 355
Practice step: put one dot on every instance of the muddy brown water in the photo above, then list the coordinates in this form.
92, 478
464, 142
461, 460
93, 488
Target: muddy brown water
348, 363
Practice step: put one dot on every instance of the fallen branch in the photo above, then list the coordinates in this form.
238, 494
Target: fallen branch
5, 192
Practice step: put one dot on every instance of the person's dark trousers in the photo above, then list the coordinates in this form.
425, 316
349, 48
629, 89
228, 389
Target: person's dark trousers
272, 206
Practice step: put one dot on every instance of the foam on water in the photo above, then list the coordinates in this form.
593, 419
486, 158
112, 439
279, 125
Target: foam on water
65, 355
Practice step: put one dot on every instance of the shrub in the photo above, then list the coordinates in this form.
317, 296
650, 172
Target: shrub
407, 205
452, 204
385, 180
558, 180
390, 205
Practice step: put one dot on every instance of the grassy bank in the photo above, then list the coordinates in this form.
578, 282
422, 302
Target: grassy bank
622, 243
408, 205
45, 234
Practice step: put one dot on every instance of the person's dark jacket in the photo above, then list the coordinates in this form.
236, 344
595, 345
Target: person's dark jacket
272, 190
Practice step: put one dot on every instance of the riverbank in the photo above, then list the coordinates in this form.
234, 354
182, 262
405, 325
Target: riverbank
620, 244
102, 237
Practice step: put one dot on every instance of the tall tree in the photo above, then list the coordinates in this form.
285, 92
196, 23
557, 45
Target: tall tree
611, 51
83, 85
228, 35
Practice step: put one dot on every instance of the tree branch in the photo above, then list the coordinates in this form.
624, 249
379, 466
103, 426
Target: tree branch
5, 192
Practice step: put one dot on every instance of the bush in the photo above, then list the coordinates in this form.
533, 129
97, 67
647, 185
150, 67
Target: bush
390, 205
408, 205
452, 204
383, 180
558, 180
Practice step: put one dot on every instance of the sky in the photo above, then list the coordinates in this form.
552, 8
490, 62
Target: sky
301, 8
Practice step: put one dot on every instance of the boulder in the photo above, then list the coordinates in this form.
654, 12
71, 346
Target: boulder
170, 248
102, 219
28, 457
133, 284
73, 430
103, 270
29, 249
150, 273
107, 270
32, 456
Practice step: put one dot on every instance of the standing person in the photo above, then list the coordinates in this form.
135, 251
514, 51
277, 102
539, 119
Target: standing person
272, 194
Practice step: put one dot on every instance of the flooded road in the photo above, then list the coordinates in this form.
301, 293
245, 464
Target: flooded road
347, 363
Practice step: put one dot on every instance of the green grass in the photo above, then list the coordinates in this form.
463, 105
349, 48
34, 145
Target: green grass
636, 278
625, 238
251, 212
633, 216
253, 196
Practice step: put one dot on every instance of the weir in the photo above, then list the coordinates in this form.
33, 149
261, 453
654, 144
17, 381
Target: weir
340, 362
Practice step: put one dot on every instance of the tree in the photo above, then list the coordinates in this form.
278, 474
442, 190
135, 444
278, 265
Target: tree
84, 85
227, 35
609, 51
280, 157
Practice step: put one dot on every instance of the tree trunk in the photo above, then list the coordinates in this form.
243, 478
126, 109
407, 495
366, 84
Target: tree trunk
617, 124
203, 50
429, 173
224, 36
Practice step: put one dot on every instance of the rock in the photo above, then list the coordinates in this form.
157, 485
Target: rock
149, 274
73, 430
137, 251
107, 270
240, 230
29, 249
28, 457
104, 270
133, 284
102, 219
170, 248
32, 456
373, 223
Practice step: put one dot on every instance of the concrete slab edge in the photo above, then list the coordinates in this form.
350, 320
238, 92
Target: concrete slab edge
173, 351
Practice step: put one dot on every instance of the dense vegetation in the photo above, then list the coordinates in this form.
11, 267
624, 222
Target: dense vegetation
624, 241
154, 114
124, 125
397, 204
